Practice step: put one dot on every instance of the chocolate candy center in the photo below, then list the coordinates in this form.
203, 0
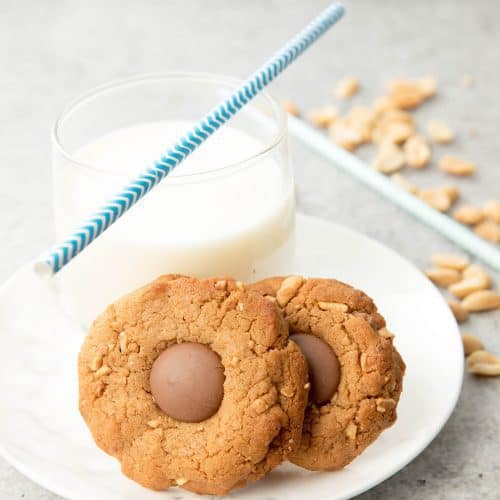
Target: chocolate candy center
324, 368
187, 382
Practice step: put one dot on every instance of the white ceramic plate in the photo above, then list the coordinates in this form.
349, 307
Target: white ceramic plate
42, 434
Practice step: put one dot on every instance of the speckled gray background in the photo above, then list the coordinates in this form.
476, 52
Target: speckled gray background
52, 50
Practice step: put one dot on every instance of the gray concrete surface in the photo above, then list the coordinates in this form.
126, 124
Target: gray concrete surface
52, 51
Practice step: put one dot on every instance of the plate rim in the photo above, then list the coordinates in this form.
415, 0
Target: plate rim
363, 487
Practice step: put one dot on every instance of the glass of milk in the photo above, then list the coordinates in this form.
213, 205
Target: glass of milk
228, 210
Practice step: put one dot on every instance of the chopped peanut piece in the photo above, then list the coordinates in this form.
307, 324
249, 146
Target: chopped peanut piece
347, 87
290, 107
468, 214
440, 132
456, 166
289, 287
417, 151
390, 158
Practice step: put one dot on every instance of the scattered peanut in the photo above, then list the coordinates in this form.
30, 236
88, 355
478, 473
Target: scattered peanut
456, 166
417, 151
390, 158
471, 343
443, 277
406, 99
492, 210
461, 314
436, 198
489, 230
476, 270
482, 300
323, 117
483, 363
440, 132
347, 87
345, 135
469, 285
468, 214
451, 191
450, 261
407, 94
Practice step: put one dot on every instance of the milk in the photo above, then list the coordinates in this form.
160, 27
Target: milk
201, 220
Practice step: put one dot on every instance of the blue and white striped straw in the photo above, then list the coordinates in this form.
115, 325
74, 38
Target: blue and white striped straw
60, 255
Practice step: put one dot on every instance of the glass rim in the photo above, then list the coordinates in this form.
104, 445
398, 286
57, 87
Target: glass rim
280, 118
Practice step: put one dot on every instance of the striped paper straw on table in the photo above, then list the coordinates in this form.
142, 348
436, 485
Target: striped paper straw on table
145, 182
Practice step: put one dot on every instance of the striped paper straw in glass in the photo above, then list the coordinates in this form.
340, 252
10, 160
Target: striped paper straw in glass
145, 182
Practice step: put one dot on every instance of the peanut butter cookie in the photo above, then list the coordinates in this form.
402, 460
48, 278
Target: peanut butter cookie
193, 383
355, 372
